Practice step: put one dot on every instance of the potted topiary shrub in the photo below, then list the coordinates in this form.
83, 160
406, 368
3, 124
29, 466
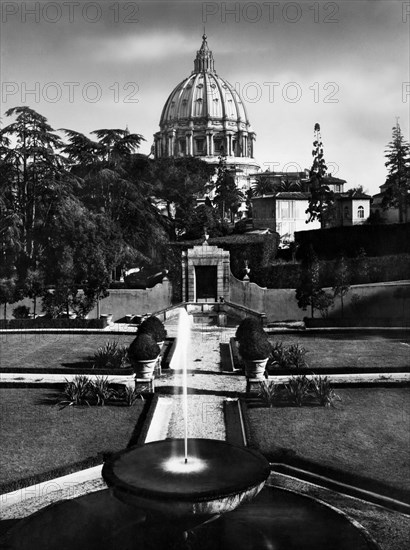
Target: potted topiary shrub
143, 355
255, 349
155, 327
248, 324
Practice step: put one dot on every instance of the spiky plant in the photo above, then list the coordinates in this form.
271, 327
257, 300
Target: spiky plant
131, 395
298, 388
76, 392
279, 356
101, 390
323, 391
268, 392
296, 356
111, 355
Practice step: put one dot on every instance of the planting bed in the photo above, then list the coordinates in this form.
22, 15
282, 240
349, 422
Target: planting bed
36, 437
363, 440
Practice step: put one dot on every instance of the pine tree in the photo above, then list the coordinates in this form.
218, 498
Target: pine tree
398, 179
321, 197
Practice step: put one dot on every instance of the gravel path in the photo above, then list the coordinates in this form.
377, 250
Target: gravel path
207, 386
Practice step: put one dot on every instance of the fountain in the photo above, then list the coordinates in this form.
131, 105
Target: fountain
191, 487
161, 491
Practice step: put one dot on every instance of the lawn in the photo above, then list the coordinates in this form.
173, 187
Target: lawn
43, 350
350, 350
36, 436
364, 440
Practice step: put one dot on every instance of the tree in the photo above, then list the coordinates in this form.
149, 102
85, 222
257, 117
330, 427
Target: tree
263, 186
321, 197
398, 179
108, 172
203, 217
34, 173
309, 291
34, 179
227, 196
178, 182
341, 277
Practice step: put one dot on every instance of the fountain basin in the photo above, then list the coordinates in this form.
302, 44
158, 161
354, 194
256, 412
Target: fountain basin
217, 478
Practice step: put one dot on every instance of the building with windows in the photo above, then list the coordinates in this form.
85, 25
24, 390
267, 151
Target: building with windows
205, 116
351, 208
285, 212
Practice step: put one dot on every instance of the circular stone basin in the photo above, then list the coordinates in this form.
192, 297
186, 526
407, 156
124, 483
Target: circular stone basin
275, 519
216, 478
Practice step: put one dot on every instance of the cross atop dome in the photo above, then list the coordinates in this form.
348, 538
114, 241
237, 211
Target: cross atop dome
204, 61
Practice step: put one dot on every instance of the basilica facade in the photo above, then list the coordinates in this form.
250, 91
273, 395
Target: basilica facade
204, 117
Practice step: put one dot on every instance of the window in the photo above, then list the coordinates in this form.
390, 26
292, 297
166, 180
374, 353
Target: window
199, 146
360, 212
346, 212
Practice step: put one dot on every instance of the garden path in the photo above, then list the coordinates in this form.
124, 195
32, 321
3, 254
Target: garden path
208, 385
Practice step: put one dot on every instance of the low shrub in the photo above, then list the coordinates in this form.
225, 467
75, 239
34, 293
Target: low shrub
45, 322
322, 389
247, 325
298, 388
112, 355
83, 391
143, 348
21, 312
254, 345
152, 325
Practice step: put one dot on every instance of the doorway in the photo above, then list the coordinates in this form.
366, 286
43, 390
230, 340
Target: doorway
206, 283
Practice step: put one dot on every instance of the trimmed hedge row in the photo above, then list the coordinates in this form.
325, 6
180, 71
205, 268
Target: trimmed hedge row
375, 240
376, 269
42, 322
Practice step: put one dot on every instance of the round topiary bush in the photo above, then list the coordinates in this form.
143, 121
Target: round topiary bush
249, 324
155, 327
254, 345
143, 348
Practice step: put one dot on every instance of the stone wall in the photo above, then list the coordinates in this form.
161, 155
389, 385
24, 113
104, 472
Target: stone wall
389, 301
279, 304
123, 302
120, 302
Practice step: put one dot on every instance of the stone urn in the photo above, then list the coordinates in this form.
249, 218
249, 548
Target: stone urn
255, 368
144, 368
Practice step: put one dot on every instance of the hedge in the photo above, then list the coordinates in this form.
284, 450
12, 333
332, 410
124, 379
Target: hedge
43, 322
363, 270
375, 240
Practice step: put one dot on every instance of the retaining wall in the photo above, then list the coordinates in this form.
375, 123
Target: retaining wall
370, 301
120, 302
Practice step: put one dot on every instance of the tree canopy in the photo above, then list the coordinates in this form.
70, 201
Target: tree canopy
73, 208
398, 178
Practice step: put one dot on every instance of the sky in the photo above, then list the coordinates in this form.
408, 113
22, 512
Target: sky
107, 64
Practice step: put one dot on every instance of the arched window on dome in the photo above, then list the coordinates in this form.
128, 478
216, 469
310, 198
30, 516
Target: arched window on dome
360, 212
